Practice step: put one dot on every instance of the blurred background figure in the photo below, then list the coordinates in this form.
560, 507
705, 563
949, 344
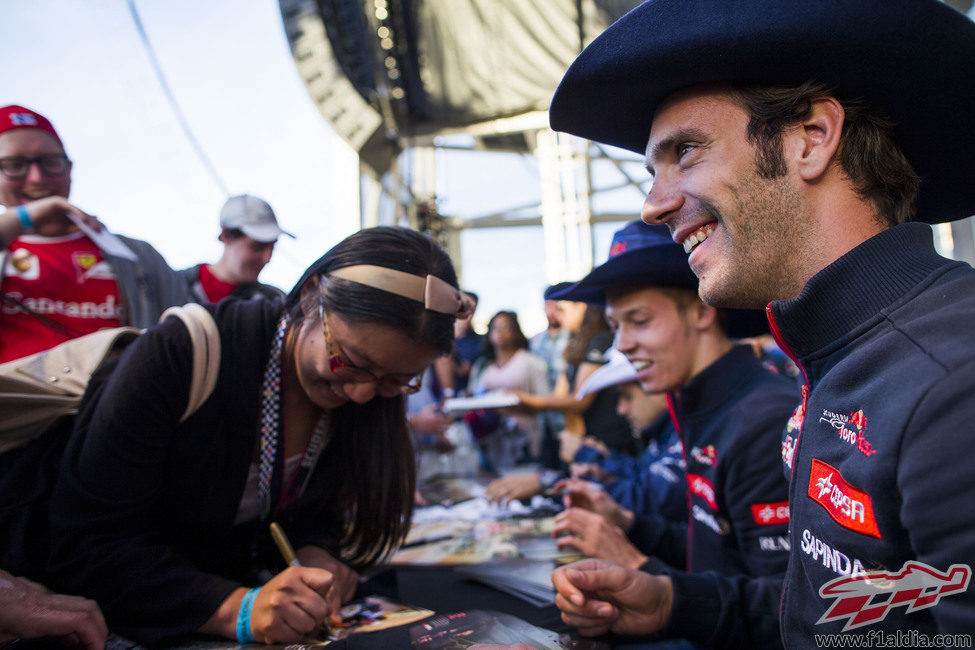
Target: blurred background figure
57, 282
549, 345
452, 372
652, 483
506, 364
595, 413
248, 232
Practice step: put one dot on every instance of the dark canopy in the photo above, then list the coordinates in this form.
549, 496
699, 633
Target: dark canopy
421, 66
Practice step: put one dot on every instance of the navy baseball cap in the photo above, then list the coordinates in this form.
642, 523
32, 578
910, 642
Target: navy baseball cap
642, 255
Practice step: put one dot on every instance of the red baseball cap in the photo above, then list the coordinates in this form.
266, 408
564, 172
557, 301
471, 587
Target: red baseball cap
18, 117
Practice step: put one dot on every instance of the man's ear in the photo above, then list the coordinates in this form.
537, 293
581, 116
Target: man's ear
815, 141
701, 315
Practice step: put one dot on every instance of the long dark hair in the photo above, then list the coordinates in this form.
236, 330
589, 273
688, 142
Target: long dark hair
377, 481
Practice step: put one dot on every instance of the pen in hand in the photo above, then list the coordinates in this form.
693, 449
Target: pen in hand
288, 553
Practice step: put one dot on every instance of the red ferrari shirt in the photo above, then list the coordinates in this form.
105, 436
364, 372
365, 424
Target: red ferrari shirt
65, 279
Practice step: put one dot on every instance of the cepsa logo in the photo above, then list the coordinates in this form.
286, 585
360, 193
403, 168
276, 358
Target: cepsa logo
767, 514
848, 506
702, 488
868, 598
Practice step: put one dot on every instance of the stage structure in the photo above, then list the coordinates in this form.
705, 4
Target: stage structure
404, 81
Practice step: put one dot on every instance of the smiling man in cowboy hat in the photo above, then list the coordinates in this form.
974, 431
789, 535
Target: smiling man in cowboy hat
790, 143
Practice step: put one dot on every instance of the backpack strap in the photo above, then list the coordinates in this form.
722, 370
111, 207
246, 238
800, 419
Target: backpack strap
206, 352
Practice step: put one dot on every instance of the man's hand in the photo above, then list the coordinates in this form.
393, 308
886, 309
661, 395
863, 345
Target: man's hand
430, 420
50, 216
345, 580
513, 486
291, 605
597, 597
593, 536
590, 471
28, 610
591, 496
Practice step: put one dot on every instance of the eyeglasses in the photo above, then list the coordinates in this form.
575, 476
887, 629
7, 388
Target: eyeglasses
16, 167
344, 369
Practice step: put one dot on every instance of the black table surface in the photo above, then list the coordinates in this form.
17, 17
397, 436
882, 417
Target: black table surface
439, 589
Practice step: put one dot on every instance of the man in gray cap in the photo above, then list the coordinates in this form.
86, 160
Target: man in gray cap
249, 231
790, 143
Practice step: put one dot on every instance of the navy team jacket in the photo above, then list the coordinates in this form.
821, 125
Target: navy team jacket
730, 419
878, 457
879, 460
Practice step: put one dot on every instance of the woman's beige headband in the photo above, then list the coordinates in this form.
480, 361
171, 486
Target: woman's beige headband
434, 293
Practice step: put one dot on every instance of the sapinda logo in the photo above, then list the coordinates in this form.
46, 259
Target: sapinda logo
867, 598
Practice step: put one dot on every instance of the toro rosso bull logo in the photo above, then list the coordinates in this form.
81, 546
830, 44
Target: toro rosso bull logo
851, 429
868, 598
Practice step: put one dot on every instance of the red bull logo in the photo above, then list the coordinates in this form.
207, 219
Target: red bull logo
868, 598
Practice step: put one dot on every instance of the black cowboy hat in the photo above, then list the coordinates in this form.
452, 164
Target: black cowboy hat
646, 256
912, 59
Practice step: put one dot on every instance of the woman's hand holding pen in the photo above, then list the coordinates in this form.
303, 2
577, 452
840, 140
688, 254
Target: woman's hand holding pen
345, 580
292, 605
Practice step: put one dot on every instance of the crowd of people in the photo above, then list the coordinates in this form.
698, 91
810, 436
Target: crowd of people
758, 400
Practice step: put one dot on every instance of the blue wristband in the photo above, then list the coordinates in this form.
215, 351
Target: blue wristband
244, 617
24, 217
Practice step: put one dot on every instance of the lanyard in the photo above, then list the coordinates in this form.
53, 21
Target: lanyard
272, 438
295, 487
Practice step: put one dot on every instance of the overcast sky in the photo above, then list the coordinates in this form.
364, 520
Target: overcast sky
81, 63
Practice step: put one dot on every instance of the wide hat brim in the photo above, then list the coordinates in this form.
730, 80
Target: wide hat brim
913, 59
655, 266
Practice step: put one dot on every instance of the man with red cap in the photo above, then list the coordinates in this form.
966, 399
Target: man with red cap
56, 281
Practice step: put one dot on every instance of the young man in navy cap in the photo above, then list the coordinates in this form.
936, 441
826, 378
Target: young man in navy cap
248, 232
789, 144
727, 409
56, 282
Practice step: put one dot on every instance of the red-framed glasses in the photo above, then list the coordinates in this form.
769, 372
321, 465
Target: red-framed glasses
345, 370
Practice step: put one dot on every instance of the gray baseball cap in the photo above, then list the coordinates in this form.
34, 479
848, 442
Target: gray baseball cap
252, 216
